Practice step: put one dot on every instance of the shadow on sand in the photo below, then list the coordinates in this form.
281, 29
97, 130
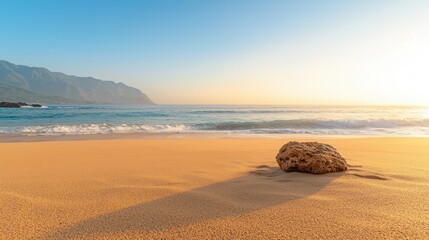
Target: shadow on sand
263, 188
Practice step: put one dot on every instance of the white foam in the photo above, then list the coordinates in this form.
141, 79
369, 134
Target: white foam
34, 107
99, 129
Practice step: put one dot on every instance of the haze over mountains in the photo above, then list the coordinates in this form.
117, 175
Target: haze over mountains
34, 84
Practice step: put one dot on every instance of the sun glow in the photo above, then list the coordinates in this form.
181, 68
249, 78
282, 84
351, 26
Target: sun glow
426, 113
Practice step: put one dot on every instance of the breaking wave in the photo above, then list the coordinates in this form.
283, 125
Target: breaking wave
316, 124
303, 126
97, 129
34, 107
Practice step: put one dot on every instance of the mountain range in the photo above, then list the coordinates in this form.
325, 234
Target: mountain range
35, 84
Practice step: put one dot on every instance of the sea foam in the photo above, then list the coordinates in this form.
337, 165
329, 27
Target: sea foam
99, 129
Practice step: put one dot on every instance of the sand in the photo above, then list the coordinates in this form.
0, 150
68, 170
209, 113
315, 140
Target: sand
220, 188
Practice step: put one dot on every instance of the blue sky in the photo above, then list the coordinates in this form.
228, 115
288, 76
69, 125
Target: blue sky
241, 51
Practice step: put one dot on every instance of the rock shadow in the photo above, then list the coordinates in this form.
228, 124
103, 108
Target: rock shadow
263, 188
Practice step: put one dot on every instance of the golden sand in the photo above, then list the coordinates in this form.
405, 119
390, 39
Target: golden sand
210, 188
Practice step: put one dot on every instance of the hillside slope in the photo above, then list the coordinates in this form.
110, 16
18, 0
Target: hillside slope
10, 93
54, 84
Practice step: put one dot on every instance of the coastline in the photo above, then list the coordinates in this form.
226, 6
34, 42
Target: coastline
218, 187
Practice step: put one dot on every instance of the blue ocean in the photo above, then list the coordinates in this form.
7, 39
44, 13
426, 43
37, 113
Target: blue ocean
99, 119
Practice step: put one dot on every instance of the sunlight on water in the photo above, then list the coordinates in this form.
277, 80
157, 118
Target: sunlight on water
426, 113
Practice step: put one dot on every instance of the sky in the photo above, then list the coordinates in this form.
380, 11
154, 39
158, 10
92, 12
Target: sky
231, 52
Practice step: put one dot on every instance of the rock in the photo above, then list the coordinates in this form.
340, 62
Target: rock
17, 105
12, 105
310, 157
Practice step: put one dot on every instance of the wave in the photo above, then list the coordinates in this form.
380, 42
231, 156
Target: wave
316, 123
140, 114
34, 107
297, 126
242, 111
98, 129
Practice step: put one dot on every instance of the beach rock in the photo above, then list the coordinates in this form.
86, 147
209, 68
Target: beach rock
310, 157
12, 105
18, 105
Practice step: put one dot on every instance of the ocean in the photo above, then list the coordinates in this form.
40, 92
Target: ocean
317, 120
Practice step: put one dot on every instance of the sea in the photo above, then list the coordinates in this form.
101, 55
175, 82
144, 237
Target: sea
273, 119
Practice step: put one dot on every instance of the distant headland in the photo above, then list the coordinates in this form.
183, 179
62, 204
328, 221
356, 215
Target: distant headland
33, 84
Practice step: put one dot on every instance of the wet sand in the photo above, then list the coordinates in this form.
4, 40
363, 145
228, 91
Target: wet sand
210, 187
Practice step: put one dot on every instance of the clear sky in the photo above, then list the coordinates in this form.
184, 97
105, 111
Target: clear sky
231, 52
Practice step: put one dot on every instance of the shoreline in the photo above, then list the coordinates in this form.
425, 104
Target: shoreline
11, 138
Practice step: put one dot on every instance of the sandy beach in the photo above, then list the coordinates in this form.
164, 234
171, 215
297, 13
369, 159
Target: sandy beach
210, 187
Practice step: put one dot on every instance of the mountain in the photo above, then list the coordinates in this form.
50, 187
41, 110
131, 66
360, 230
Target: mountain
16, 94
18, 83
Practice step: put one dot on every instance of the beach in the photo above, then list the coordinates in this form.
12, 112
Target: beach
199, 187
216, 120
